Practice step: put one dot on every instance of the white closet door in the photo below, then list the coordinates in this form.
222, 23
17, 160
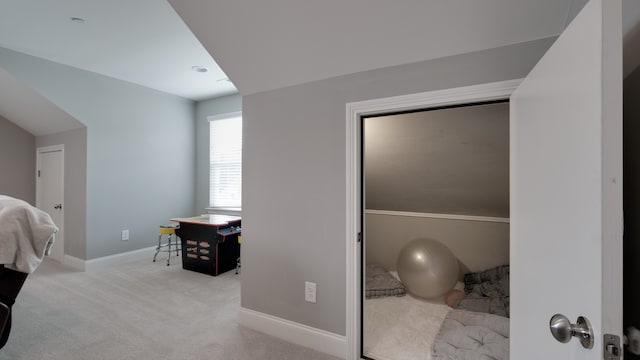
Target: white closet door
566, 189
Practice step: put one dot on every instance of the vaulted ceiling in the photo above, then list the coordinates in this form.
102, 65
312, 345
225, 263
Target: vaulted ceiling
26, 108
139, 41
264, 45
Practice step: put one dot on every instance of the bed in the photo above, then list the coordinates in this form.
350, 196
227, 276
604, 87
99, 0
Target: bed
478, 327
400, 327
397, 325
469, 335
26, 236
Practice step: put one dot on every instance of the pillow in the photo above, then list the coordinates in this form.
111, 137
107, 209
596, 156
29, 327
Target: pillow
379, 283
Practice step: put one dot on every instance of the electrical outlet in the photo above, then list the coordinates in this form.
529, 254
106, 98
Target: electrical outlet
310, 292
125, 235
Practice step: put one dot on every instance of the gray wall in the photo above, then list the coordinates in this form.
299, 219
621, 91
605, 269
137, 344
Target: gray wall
17, 161
218, 106
140, 150
75, 187
447, 161
294, 184
478, 245
631, 199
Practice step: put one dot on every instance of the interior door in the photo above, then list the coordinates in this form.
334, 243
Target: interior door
50, 192
566, 189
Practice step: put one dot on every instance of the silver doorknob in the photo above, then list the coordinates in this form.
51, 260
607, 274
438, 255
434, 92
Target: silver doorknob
563, 330
57, 206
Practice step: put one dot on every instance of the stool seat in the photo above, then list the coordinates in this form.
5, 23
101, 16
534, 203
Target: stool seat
166, 230
172, 243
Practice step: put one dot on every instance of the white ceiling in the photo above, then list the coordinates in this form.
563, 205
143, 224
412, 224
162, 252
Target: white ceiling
140, 41
30, 110
264, 45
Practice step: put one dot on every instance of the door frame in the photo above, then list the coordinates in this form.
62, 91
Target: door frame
355, 111
39, 151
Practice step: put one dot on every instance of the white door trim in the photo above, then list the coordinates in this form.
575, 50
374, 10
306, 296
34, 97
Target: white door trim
51, 148
355, 110
42, 150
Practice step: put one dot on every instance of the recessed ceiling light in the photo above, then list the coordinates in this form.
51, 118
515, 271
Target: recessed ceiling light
77, 20
200, 69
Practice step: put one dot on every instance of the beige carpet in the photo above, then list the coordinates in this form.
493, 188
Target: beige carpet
137, 310
401, 328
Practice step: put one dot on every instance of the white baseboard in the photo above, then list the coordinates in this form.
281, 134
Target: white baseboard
74, 262
105, 261
320, 340
116, 259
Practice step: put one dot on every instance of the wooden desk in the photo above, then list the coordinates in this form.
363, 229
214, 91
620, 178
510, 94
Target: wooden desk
209, 243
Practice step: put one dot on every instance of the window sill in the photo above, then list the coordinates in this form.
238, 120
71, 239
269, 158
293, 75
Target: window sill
224, 211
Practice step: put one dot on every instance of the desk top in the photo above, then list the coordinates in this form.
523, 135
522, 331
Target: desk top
208, 219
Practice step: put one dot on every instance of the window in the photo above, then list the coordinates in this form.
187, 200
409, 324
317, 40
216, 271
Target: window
225, 159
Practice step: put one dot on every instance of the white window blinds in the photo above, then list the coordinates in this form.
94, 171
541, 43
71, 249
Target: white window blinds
225, 157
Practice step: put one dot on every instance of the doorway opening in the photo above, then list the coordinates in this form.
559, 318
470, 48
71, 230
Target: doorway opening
436, 227
356, 199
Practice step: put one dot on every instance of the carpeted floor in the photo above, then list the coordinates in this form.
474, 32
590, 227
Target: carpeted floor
401, 328
137, 310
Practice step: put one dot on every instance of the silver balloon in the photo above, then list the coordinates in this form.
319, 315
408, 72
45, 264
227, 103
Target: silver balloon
427, 268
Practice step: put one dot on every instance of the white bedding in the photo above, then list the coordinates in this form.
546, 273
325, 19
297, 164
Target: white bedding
468, 335
26, 234
401, 328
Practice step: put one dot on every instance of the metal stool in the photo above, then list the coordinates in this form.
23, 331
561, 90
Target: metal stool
238, 264
172, 242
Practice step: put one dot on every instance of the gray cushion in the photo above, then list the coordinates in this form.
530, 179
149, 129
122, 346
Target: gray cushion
379, 283
466, 335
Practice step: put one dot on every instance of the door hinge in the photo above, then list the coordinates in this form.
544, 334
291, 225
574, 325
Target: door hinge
611, 347
38, 173
360, 237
